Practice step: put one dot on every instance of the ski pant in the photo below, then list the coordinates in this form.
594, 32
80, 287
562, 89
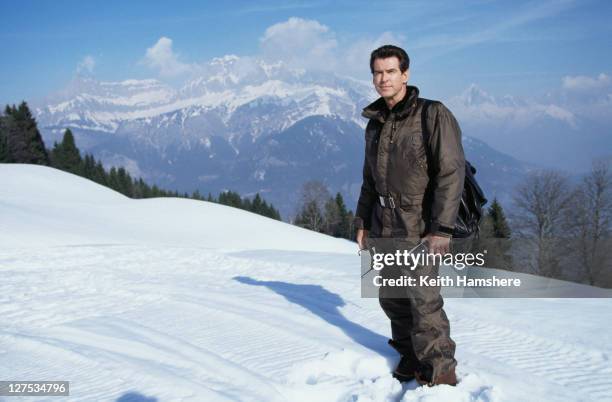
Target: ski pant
419, 326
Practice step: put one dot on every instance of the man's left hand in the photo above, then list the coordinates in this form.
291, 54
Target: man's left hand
437, 244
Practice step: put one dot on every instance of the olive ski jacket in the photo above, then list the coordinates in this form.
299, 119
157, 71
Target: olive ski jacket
413, 170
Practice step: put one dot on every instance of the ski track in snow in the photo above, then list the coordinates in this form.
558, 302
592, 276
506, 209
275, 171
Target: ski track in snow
181, 324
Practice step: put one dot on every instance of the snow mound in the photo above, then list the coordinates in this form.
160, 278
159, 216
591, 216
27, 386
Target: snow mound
180, 300
42, 206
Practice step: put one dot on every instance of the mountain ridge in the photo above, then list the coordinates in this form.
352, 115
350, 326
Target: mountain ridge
226, 130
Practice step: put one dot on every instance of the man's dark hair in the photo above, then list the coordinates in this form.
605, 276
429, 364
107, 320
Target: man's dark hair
387, 51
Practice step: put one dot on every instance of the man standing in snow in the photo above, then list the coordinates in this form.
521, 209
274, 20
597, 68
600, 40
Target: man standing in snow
413, 177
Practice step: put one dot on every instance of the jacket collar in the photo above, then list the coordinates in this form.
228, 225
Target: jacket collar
378, 109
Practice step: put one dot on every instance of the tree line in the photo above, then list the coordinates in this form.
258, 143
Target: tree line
319, 211
563, 228
557, 227
21, 142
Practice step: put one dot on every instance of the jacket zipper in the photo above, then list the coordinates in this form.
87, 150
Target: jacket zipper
392, 131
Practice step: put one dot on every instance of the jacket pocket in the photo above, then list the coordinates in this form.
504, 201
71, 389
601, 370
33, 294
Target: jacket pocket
415, 154
409, 215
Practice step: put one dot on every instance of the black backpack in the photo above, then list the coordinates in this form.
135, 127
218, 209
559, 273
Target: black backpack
472, 200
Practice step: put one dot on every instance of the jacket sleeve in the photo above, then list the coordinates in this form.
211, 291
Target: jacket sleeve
449, 168
367, 198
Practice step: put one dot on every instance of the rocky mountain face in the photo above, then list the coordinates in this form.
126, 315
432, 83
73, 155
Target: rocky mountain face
242, 125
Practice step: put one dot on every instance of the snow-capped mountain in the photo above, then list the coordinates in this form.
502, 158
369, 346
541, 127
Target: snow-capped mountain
101, 106
246, 97
240, 124
549, 133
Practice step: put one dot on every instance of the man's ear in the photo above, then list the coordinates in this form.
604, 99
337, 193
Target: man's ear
406, 76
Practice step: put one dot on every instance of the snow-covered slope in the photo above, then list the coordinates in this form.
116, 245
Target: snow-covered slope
177, 300
46, 207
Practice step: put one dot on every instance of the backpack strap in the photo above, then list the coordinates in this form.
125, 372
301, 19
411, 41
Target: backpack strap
473, 198
426, 103
426, 134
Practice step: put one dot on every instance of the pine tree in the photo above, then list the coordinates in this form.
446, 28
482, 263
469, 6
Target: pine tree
495, 238
350, 233
88, 167
345, 220
66, 155
272, 212
231, 199
124, 181
500, 225
137, 189
8, 130
269, 211
24, 144
311, 217
257, 206
331, 217
141, 189
100, 175
4, 154
113, 179
37, 152
247, 204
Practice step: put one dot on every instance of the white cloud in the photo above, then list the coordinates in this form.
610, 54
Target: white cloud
588, 96
476, 106
585, 83
356, 58
86, 65
310, 45
562, 114
300, 43
161, 57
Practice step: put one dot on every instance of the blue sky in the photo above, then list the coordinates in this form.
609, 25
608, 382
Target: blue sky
506, 47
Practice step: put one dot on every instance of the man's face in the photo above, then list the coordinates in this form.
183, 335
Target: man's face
387, 77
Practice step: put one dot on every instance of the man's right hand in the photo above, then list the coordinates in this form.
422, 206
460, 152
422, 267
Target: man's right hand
362, 235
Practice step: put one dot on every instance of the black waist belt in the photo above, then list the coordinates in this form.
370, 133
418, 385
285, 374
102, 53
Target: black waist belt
386, 201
